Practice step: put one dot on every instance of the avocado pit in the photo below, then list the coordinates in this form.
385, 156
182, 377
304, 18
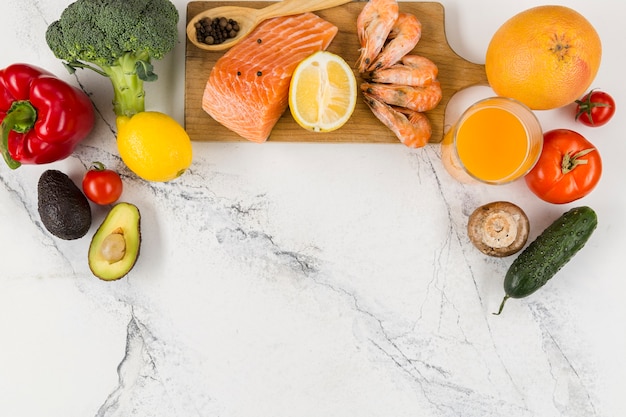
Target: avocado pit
113, 246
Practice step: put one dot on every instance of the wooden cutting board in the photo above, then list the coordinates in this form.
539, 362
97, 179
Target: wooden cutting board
455, 73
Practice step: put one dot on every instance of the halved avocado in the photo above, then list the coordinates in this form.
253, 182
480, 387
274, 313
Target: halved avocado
114, 248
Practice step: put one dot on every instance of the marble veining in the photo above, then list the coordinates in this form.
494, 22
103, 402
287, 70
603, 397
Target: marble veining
300, 280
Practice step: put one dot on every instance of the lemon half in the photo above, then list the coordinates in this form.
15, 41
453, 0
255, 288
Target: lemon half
322, 92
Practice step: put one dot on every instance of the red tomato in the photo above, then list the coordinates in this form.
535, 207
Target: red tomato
102, 186
595, 109
568, 168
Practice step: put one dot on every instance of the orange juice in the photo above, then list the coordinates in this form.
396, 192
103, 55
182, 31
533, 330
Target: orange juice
496, 140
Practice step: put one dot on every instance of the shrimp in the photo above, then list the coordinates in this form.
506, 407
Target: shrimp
420, 99
373, 26
412, 70
402, 38
412, 128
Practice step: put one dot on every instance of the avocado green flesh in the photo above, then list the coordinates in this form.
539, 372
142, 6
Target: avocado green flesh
124, 216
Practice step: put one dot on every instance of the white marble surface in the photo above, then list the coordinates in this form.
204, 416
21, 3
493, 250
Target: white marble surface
308, 279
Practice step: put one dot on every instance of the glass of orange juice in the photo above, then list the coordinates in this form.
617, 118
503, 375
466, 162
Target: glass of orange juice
495, 141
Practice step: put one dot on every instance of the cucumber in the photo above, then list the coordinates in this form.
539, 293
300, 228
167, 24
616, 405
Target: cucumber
548, 253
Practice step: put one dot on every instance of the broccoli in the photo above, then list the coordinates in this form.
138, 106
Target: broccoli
117, 39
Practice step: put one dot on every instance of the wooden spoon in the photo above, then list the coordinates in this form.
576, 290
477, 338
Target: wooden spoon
248, 18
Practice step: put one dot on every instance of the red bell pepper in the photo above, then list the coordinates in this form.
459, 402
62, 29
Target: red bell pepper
42, 117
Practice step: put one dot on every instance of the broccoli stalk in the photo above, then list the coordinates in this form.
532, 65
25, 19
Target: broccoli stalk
128, 88
116, 39
127, 76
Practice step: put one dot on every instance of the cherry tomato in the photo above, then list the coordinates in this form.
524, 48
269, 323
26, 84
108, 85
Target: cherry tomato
102, 186
595, 109
568, 168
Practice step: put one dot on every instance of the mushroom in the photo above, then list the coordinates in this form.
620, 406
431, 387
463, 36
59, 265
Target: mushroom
498, 229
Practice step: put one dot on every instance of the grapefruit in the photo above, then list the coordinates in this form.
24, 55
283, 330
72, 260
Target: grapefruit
546, 57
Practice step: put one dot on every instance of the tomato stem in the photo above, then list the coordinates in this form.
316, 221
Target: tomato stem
97, 166
586, 106
570, 161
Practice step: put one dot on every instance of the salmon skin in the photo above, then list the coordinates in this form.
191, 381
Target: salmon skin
248, 88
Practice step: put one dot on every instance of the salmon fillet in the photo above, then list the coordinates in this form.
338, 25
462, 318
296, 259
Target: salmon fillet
248, 88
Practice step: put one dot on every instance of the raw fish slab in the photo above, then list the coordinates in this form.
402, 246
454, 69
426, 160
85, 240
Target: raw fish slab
455, 73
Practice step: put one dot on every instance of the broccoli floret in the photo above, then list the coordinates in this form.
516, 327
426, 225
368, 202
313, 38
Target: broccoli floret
117, 39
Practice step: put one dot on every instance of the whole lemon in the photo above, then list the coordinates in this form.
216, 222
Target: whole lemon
546, 57
153, 145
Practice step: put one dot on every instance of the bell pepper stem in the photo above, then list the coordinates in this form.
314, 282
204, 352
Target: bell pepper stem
4, 148
21, 118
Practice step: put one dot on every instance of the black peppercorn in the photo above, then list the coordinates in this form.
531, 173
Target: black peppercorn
216, 30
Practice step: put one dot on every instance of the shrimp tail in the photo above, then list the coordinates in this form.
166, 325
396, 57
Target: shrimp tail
404, 35
420, 99
412, 128
374, 23
413, 70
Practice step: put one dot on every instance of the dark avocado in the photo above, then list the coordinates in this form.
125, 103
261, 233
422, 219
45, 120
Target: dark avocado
114, 248
63, 208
